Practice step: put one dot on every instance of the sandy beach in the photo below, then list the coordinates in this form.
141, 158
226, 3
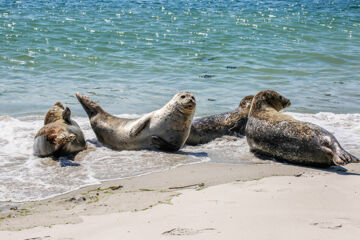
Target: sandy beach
200, 201
131, 58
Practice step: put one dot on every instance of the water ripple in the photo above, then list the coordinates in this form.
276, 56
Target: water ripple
304, 49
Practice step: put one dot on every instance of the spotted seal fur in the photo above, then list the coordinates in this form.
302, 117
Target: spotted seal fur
60, 135
206, 129
278, 135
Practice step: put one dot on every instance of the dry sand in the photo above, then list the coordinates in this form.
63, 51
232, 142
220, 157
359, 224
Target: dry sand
222, 202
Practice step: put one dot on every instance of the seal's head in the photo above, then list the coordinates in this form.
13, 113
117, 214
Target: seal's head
185, 102
57, 112
269, 98
246, 102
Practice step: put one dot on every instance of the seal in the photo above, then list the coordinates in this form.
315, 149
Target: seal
278, 135
206, 129
165, 129
60, 135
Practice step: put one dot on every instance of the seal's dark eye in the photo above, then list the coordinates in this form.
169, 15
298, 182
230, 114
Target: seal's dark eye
182, 96
192, 98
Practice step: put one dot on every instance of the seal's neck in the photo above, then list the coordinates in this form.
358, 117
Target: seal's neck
261, 106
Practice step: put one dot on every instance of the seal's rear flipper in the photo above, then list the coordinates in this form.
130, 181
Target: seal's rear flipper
89, 106
163, 145
344, 158
354, 159
64, 138
58, 136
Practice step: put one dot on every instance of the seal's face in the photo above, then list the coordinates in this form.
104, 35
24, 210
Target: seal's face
246, 102
285, 102
185, 101
271, 98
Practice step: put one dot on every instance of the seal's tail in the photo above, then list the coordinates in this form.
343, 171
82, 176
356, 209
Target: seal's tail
89, 106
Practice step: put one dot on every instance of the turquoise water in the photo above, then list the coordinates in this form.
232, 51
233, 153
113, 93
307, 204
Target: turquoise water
132, 56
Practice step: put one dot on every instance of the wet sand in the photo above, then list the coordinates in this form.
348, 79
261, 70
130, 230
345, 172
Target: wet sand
242, 191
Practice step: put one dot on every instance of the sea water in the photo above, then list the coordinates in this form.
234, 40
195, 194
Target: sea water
132, 56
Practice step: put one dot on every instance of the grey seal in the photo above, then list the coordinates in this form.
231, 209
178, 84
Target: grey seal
278, 135
60, 135
206, 129
165, 129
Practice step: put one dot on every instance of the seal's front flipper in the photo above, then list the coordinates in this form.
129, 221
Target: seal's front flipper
139, 126
163, 145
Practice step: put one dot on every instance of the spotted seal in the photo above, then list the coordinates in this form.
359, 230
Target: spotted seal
278, 135
206, 129
60, 135
165, 129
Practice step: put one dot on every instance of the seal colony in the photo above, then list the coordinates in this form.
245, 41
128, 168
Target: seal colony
278, 135
206, 129
164, 129
60, 135
268, 132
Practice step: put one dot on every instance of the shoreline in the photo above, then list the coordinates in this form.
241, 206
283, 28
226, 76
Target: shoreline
256, 202
105, 181
30, 178
144, 192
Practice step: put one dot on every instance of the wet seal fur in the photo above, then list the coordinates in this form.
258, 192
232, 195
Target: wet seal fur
166, 129
60, 135
206, 129
278, 135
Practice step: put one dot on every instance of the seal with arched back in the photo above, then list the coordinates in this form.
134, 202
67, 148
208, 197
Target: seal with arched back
165, 129
206, 129
60, 135
278, 135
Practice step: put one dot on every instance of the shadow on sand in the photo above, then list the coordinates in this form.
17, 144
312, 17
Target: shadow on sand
334, 169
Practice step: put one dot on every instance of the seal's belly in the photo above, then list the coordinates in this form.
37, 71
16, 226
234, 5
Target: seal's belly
117, 137
170, 132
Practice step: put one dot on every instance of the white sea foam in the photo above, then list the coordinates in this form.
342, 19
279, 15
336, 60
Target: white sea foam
25, 177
